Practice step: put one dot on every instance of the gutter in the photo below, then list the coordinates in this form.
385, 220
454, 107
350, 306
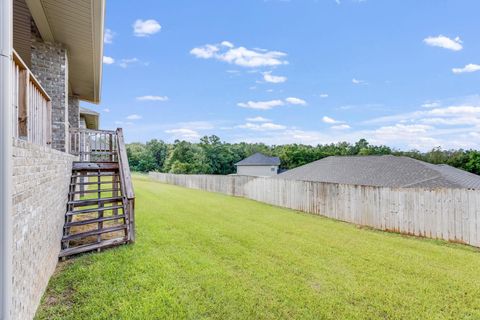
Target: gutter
6, 45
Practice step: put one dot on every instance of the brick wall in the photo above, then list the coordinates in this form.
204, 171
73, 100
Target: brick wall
73, 111
49, 64
41, 178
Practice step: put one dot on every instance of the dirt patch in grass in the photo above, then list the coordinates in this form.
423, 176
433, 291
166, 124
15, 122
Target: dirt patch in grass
63, 298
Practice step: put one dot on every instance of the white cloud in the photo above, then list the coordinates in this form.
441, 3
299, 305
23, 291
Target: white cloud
124, 63
261, 105
227, 44
444, 42
108, 60
270, 104
184, 133
448, 127
134, 117
272, 126
454, 121
107, 110
258, 119
415, 136
392, 132
296, 101
359, 82
268, 126
451, 111
152, 98
456, 110
431, 104
468, 68
206, 52
145, 28
406, 136
323, 95
250, 58
196, 125
341, 127
108, 36
241, 56
329, 120
268, 77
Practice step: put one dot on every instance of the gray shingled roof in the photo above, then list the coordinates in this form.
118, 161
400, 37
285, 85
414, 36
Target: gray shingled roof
386, 171
259, 159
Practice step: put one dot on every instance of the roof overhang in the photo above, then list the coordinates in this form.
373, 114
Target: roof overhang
92, 118
79, 26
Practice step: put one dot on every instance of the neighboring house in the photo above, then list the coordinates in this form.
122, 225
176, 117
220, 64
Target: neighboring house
55, 62
259, 165
383, 171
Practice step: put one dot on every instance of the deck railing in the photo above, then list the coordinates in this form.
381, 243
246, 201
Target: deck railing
32, 108
94, 145
126, 183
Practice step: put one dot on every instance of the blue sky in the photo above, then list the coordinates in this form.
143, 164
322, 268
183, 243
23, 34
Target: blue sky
401, 72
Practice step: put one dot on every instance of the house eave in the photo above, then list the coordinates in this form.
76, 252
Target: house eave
92, 118
79, 26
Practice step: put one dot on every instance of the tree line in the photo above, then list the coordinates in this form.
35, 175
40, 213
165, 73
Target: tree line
213, 156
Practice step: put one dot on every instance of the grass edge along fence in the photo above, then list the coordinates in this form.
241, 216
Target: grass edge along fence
448, 214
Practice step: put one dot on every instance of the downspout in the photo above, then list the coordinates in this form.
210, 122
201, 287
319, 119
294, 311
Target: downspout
6, 44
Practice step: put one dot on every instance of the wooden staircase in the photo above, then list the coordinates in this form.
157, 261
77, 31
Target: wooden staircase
100, 208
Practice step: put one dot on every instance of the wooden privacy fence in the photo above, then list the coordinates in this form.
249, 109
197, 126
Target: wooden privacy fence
449, 214
231, 185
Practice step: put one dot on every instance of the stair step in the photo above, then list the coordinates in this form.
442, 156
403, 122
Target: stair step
91, 221
72, 213
94, 166
91, 247
90, 202
93, 233
89, 175
92, 183
95, 191
94, 153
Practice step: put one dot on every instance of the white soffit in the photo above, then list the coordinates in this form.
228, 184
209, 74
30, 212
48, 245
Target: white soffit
79, 25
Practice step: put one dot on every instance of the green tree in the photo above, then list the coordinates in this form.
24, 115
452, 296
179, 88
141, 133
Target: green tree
186, 157
473, 163
158, 151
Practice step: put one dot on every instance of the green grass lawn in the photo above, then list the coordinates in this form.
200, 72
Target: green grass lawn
204, 255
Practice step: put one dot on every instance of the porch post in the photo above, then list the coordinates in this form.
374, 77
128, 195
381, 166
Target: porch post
6, 44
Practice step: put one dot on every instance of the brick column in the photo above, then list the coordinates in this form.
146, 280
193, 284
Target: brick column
73, 111
49, 64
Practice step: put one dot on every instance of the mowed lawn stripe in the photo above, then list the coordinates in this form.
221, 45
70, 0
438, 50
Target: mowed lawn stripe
204, 255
